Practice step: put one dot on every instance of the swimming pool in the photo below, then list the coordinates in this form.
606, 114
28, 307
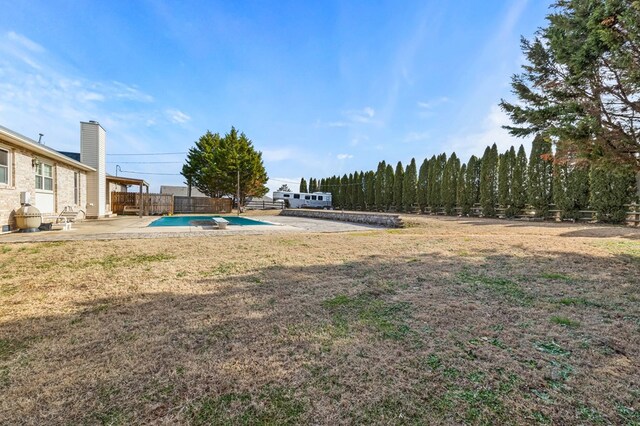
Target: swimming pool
202, 220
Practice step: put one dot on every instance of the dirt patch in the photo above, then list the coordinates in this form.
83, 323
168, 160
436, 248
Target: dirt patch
448, 321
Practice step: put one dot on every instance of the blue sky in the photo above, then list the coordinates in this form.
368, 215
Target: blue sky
321, 88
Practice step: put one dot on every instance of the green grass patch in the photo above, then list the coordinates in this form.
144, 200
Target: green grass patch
272, 406
9, 347
504, 287
5, 249
389, 319
564, 321
8, 290
552, 348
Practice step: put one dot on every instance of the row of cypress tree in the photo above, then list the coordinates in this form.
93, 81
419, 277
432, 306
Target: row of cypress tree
507, 181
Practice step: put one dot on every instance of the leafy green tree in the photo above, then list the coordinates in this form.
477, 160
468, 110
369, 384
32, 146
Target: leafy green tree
489, 181
461, 191
423, 182
409, 186
582, 79
389, 185
284, 188
203, 169
519, 191
612, 187
380, 186
398, 180
450, 184
540, 175
216, 164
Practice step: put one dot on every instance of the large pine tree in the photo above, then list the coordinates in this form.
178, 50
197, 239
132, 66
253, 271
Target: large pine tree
369, 184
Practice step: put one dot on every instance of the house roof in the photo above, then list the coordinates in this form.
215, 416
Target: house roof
127, 181
14, 138
180, 191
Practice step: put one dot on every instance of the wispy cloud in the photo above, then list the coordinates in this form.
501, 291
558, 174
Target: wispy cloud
353, 117
344, 156
491, 131
281, 154
416, 137
34, 83
177, 116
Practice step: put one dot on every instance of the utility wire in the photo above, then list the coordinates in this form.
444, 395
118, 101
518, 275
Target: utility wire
155, 153
144, 162
146, 173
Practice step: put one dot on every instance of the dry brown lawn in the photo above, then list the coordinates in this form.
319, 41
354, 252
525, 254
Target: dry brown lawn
445, 322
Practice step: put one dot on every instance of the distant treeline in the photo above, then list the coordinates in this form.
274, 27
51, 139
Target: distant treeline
508, 182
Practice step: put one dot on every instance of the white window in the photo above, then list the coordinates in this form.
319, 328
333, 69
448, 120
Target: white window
44, 176
4, 166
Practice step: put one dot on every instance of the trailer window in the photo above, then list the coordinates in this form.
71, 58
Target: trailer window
296, 196
286, 195
319, 197
306, 197
313, 197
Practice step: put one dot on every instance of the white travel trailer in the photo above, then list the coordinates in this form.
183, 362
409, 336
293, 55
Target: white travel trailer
302, 200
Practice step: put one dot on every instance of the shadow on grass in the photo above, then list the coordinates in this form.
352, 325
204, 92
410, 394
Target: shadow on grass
378, 340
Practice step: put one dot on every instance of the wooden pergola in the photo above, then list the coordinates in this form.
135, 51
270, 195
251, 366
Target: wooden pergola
141, 183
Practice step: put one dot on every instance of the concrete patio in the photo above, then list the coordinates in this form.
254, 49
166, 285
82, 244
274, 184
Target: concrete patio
127, 227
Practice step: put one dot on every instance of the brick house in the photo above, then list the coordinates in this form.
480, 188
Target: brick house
56, 180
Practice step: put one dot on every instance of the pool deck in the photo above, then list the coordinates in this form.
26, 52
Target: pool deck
129, 227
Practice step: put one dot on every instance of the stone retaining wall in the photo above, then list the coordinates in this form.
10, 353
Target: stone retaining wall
379, 219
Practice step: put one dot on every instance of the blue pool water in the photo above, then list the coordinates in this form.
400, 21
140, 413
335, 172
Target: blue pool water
186, 220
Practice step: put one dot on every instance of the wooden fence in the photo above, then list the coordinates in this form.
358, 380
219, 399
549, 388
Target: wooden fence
201, 205
154, 204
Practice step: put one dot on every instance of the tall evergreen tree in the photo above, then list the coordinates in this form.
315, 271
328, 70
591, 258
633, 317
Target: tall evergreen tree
433, 194
423, 182
570, 187
540, 175
503, 180
449, 184
313, 185
519, 191
360, 185
344, 187
380, 186
389, 185
409, 186
488, 181
612, 187
461, 191
472, 184
370, 189
397, 186
303, 185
